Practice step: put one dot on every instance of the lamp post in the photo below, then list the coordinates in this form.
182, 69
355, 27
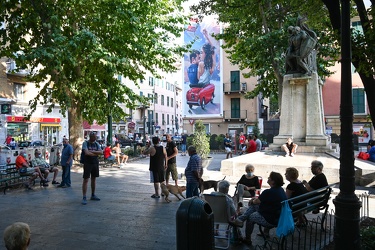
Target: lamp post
143, 117
347, 204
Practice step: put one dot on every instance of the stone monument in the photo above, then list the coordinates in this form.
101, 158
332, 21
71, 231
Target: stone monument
302, 116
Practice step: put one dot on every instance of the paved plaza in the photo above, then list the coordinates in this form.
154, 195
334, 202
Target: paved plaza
126, 217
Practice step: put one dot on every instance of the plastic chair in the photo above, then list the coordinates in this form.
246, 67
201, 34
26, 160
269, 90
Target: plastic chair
221, 213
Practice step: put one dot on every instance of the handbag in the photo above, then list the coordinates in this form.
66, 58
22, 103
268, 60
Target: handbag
286, 222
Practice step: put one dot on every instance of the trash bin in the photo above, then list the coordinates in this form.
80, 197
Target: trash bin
195, 225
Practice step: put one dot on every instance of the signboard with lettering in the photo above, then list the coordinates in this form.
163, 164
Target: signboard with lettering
6, 109
33, 119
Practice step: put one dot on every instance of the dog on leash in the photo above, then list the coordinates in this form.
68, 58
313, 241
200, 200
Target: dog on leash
209, 184
176, 190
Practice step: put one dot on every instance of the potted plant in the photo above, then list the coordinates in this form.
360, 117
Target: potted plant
201, 142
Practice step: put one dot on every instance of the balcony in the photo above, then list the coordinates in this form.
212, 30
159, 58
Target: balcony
235, 115
230, 88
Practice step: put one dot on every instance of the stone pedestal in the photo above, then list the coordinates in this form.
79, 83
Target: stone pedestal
302, 114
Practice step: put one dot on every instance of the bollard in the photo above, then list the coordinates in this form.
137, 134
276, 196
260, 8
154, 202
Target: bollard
195, 225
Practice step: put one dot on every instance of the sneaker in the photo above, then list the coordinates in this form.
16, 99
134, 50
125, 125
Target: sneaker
291, 154
55, 182
94, 198
286, 155
60, 186
84, 201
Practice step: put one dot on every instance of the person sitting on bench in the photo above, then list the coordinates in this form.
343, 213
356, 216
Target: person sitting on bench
107, 152
24, 169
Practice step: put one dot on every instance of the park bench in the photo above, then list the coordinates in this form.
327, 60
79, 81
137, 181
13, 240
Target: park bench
315, 200
105, 163
10, 177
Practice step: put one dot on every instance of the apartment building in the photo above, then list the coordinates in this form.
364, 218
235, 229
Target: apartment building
15, 94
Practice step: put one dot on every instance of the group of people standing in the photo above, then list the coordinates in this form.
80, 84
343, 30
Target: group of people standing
163, 165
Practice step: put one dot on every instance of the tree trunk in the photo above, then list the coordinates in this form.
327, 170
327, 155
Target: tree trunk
75, 130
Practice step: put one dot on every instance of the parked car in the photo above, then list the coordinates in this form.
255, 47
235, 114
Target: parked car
24, 144
38, 143
200, 96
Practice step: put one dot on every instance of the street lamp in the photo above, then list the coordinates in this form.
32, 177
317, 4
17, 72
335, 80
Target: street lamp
346, 202
143, 117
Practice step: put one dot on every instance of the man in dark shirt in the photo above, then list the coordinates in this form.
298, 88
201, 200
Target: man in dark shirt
183, 144
172, 152
319, 180
158, 164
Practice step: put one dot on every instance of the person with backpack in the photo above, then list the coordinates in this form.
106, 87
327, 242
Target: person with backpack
89, 157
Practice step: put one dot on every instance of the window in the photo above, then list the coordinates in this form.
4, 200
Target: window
162, 99
151, 98
235, 108
167, 119
235, 80
163, 119
19, 91
172, 120
172, 102
156, 118
140, 93
151, 81
156, 98
358, 101
167, 101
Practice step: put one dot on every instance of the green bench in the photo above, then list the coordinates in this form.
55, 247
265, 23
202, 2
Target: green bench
10, 177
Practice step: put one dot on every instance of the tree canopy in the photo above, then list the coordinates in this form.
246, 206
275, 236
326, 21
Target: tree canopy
76, 49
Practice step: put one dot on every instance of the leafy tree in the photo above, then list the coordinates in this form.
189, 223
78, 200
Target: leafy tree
201, 141
256, 39
363, 53
76, 49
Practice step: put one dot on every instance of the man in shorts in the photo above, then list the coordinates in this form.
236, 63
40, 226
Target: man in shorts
172, 152
44, 167
92, 150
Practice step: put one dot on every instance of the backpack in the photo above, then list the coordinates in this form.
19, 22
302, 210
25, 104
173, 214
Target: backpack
82, 159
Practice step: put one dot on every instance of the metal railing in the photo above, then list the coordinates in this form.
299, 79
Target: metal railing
235, 114
311, 236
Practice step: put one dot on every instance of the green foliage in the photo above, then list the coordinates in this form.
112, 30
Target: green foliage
189, 140
256, 129
201, 141
367, 238
256, 39
76, 50
220, 141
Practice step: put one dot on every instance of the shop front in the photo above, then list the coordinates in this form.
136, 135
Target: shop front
21, 128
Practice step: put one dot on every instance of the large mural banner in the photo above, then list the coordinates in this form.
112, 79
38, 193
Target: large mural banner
203, 88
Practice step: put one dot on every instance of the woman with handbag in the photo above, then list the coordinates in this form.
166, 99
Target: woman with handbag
264, 210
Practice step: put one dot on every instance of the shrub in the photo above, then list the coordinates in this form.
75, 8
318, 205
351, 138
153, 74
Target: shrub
201, 141
220, 141
367, 238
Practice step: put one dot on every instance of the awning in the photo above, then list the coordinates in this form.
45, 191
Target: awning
50, 125
94, 126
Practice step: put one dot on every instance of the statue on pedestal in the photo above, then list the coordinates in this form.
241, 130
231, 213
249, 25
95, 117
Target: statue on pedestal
301, 53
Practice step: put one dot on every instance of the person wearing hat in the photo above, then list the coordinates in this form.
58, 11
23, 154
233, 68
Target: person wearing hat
92, 150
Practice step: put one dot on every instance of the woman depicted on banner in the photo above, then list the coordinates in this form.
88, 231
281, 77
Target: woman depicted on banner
207, 64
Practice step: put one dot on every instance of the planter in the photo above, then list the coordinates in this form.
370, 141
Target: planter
206, 162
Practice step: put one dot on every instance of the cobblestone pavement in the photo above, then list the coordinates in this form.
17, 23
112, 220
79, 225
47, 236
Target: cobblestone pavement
126, 217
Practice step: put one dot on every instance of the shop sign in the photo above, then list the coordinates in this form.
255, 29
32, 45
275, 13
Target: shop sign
33, 119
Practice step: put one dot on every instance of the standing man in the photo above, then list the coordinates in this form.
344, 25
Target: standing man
66, 163
183, 143
258, 143
228, 145
172, 152
158, 163
91, 149
242, 140
193, 172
